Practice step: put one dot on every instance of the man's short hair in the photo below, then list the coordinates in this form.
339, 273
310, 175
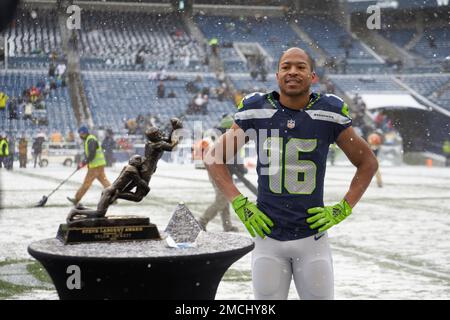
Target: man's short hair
311, 62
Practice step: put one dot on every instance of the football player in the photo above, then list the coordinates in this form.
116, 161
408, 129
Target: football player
293, 129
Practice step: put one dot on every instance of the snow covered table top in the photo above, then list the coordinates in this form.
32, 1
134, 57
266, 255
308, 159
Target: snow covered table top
206, 243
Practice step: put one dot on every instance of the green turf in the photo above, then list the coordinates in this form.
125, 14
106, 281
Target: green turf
8, 290
38, 271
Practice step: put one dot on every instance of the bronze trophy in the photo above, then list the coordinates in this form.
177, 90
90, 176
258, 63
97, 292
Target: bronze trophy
91, 225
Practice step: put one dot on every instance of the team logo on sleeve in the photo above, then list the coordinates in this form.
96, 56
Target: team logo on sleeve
291, 124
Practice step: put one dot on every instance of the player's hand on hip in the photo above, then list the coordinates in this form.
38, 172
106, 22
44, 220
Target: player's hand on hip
326, 217
253, 218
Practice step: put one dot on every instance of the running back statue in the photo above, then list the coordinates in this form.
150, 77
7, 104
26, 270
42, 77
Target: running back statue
136, 175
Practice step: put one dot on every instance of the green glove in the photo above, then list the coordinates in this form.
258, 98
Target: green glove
251, 216
326, 217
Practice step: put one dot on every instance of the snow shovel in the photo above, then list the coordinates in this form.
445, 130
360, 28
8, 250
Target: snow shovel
45, 198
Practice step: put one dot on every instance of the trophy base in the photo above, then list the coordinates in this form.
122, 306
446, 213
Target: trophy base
108, 229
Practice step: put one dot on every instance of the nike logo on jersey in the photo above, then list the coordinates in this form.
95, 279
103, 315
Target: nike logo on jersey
318, 236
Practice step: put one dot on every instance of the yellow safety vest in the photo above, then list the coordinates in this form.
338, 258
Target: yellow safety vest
99, 159
213, 41
2, 143
446, 147
3, 99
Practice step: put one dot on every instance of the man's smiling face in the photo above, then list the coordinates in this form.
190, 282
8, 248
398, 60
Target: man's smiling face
295, 72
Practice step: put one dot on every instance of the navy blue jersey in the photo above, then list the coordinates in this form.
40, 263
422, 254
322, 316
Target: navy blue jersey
292, 150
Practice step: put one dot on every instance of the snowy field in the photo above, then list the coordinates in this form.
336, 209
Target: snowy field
395, 245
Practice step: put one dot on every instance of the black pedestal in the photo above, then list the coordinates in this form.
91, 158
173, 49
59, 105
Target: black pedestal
141, 270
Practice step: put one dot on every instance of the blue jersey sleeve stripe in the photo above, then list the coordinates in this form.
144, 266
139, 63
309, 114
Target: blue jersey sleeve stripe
255, 114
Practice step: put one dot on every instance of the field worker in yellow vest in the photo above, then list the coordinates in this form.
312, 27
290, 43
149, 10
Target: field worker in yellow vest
4, 150
95, 160
3, 100
446, 150
214, 43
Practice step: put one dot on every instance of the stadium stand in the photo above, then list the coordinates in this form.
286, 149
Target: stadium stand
273, 34
246, 84
334, 40
363, 84
116, 97
434, 87
34, 33
33, 37
58, 108
434, 44
400, 37
425, 84
113, 40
